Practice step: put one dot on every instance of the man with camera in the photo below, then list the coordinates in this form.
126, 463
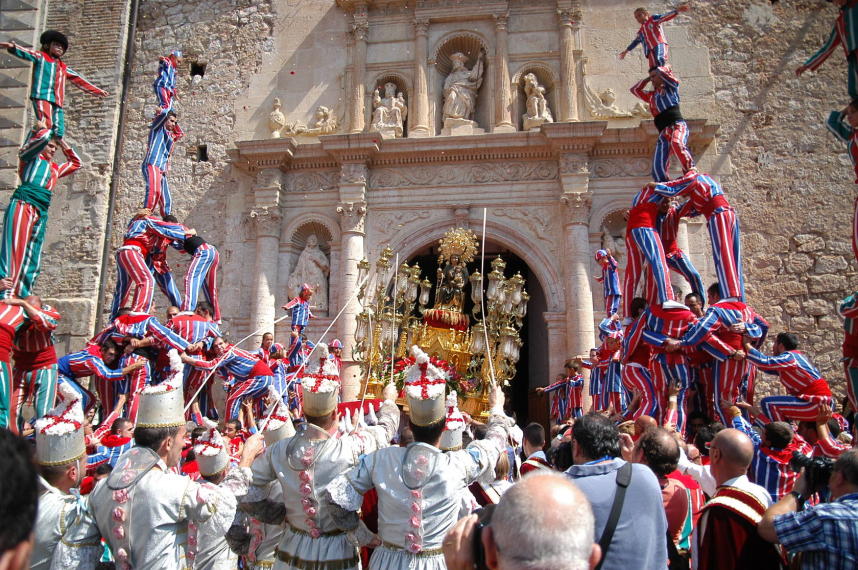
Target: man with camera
825, 535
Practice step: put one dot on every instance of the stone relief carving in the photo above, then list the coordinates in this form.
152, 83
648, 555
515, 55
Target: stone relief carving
325, 122
514, 171
313, 181
615, 242
276, 119
312, 268
611, 168
389, 112
536, 104
460, 92
352, 216
269, 178
604, 105
577, 206
537, 221
574, 164
353, 173
387, 224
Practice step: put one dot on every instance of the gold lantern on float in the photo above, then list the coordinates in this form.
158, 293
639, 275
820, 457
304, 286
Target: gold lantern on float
473, 350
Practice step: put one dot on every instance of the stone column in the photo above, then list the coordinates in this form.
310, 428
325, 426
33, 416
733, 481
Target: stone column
557, 352
360, 29
503, 100
419, 120
352, 212
266, 218
568, 100
577, 199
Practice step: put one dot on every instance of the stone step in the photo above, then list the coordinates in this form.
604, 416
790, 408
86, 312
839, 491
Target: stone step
9, 23
6, 123
9, 82
8, 61
9, 103
20, 5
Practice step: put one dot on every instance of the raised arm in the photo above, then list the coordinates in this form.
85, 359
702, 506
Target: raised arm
639, 91
72, 162
79, 81
39, 139
783, 361
814, 61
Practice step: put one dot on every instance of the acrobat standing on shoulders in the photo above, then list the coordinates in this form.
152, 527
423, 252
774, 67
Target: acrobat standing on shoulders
48, 90
651, 36
301, 315
610, 281
165, 83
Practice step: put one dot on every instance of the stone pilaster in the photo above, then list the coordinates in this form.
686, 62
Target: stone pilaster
503, 101
360, 30
568, 100
419, 121
352, 213
266, 216
555, 322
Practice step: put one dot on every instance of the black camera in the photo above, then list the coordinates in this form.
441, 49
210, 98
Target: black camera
817, 470
484, 517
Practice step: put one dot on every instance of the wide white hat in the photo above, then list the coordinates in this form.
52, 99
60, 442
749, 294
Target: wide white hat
212, 456
277, 424
424, 390
321, 383
59, 434
163, 405
451, 437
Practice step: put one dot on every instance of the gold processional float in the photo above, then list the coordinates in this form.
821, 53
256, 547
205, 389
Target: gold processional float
396, 315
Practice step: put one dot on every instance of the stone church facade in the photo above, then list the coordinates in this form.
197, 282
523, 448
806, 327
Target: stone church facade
552, 194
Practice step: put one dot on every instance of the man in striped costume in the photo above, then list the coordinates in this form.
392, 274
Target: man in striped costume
667, 225
26, 220
201, 274
14, 315
845, 33
721, 320
610, 281
844, 125
707, 197
48, 89
806, 387
95, 360
200, 331
650, 35
562, 405
643, 246
35, 369
663, 103
301, 315
252, 376
849, 312
165, 83
156, 261
635, 357
163, 134
144, 234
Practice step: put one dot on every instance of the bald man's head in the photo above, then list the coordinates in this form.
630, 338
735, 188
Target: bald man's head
733, 453
544, 521
643, 423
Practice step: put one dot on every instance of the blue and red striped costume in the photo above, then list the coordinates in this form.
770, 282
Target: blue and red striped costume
108, 451
48, 88
194, 329
35, 370
143, 236
806, 387
706, 197
165, 84
845, 33
201, 274
651, 37
842, 130
643, 245
610, 281
673, 130
668, 227
252, 376
88, 362
567, 401
301, 316
595, 388
25, 221
637, 378
157, 263
849, 311
727, 373
613, 392
156, 163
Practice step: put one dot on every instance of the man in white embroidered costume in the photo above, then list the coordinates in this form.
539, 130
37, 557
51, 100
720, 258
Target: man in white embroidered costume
207, 540
144, 509
257, 536
418, 486
65, 532
306, 463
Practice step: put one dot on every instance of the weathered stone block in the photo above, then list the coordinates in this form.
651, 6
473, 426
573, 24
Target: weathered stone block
808, 242
826, 283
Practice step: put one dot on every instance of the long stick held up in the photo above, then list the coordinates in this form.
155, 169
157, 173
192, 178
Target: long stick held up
483, 301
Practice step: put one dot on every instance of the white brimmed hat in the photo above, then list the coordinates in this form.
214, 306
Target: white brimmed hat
59, 434
321, 383
212, 456
424, 390
277, 424
163, 405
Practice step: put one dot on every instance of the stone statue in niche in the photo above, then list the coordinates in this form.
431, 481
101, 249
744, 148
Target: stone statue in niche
276, 120
389, 112
616, 243
536, 104
460, 95
312, 268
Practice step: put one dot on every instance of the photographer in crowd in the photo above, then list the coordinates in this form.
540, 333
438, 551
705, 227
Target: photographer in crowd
825, 535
